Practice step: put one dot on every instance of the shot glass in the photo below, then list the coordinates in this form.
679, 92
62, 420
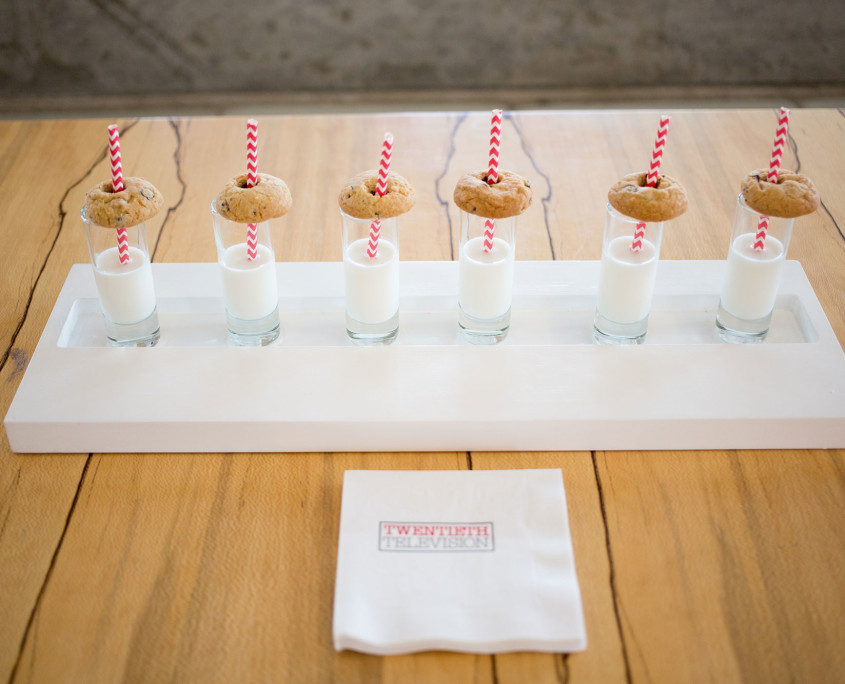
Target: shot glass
371, 279
126, 292
485, 278
250, 292
626, 281
752, 276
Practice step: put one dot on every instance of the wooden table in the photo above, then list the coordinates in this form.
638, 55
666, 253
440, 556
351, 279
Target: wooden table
694, 566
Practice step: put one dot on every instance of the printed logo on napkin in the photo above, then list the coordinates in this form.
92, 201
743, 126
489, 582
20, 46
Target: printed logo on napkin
435, 536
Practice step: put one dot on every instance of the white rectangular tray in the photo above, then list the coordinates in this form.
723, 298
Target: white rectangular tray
547, 387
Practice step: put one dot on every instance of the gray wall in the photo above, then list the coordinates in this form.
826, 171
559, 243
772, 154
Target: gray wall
102, 47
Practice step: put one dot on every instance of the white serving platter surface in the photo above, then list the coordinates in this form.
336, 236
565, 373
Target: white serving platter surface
546, 387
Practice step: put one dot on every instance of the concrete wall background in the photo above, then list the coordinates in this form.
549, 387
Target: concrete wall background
130, 47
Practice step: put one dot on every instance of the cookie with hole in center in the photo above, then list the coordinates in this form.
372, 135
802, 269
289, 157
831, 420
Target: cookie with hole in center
269, 198
359, 198
509, 196
633, 197
792, 196
138, 201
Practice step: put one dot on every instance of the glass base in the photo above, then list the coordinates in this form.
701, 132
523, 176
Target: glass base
258, 332
145, 333
369, 334
740, 330
606, 331
484, 331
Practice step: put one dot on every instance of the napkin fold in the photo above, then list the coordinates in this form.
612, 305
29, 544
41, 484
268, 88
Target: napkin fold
472, 561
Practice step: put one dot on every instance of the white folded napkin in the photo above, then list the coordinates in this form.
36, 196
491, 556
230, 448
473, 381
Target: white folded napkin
475, 561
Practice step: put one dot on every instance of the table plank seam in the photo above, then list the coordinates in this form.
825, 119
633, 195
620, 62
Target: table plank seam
48, 574
833, 220
62, 216
794, 144
547, 198
445, 203
562, 668
178, 162
7, 496
612, 574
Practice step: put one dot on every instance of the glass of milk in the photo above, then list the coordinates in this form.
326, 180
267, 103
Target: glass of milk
485, 279
126, 292
371, 283
250, 292
752, 276
626, 280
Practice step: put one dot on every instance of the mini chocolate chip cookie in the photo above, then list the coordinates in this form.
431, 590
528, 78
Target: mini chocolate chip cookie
269, 198
509, 196
138, 201
793, 195
360, 200
632, 197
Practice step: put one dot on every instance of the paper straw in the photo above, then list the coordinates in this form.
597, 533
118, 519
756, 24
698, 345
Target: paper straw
384, 165
657, 152
493, 171
381, 190
652, 176
118, 186
639, 236
778, 145
495, 139
372, 245
251, 180
774, 170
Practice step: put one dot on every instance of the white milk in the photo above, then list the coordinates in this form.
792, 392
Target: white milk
127, 294
485, 279
751, 282
372, 284
627, 279
249, 287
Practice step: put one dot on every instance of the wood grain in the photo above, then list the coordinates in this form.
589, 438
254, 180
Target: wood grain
728, 565
694, 566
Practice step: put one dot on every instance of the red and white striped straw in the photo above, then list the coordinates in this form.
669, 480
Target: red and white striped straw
639, 236
778, 145
652, 176
118, 186
384, 165
381, 190
495, 140
774, 171
493, 171
657, 152
251, 180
